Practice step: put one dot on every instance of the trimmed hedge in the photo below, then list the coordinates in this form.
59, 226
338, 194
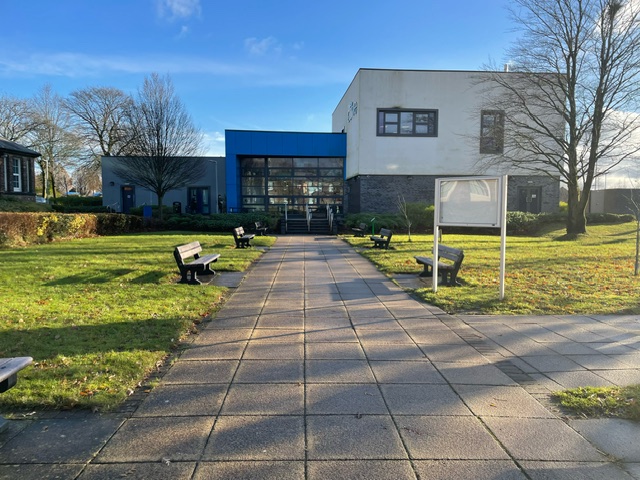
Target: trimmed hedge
29, 228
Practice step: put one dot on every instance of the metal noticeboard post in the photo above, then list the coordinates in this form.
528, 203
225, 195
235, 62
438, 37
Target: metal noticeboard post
471, 202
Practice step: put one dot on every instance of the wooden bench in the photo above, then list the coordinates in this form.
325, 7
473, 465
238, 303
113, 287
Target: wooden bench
9, 368
242, 239
261, 228
382, 240
360, 230
200, 264
448, 271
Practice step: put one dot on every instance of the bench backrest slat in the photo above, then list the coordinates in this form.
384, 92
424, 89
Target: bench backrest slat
384, 232
238, 232
186, 251
450, 253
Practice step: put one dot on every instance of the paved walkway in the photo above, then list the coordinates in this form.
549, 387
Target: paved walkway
319, 367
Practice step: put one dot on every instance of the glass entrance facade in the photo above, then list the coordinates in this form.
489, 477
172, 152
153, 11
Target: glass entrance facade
273, 183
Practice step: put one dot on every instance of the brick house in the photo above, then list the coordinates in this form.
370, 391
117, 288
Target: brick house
17, 170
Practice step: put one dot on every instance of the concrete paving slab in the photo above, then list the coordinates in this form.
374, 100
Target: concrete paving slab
473, 374
572, 348
617, 437
633, 469
198, 372
256, 438
158, 439
334, 351
360, 470
497, 401
598, 362
333, 334
470, 469
373, 324
425, 336
40, 472
61, 440
423, 399
279, 321
284, 335
344, 399
453, 353
209, 336
382, 336
338, 371
254, 470
223, 351
573, 471
264, 399
542, 439
406, 372
552, 363
431, 437
621, 377
380, 351
578, 379
235, 321
181, 400
267, 350
358, 437
139, 471
270, 371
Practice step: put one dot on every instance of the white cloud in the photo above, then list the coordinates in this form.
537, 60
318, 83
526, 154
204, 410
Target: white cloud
174, 9
214, 144
262, 47
184, 31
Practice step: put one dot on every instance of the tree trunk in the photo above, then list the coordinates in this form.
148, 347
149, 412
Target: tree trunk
160, 213
576, 212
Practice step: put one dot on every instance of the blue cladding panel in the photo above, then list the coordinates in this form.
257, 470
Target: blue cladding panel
294, 144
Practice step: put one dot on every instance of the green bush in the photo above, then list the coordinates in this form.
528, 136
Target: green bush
382, 220
118, 223
77, 201
11, 204
219, 222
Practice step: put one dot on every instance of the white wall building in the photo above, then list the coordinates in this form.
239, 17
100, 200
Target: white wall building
407, 127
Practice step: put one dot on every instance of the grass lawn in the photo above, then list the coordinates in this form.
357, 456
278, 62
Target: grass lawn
544, 274
98, 315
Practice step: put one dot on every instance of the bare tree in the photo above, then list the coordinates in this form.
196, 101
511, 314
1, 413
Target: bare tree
86, 180
403, 208
165, 141
16, 118
590, 52
100, 116
53, 138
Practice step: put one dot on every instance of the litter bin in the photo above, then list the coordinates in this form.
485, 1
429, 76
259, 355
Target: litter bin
177, 207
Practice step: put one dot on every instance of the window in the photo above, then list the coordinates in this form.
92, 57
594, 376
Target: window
17, 175
491, 131
413, 123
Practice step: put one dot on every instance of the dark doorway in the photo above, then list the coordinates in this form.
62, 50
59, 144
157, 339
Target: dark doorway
199, 200
128, 198
530, 199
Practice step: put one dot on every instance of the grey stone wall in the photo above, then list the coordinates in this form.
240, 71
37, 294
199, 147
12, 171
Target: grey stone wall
379, 193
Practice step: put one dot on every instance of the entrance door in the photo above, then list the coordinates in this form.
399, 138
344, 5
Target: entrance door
128, 198
199, 200
530, 199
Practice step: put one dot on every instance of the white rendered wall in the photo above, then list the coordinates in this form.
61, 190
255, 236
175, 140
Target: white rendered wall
455, 94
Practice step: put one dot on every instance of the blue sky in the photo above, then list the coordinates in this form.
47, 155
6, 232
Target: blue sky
248, 64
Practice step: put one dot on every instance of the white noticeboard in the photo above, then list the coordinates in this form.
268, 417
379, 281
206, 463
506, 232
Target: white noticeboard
471, 202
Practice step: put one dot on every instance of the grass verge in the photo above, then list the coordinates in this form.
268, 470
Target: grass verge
544, 275
619, 402
98, 315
